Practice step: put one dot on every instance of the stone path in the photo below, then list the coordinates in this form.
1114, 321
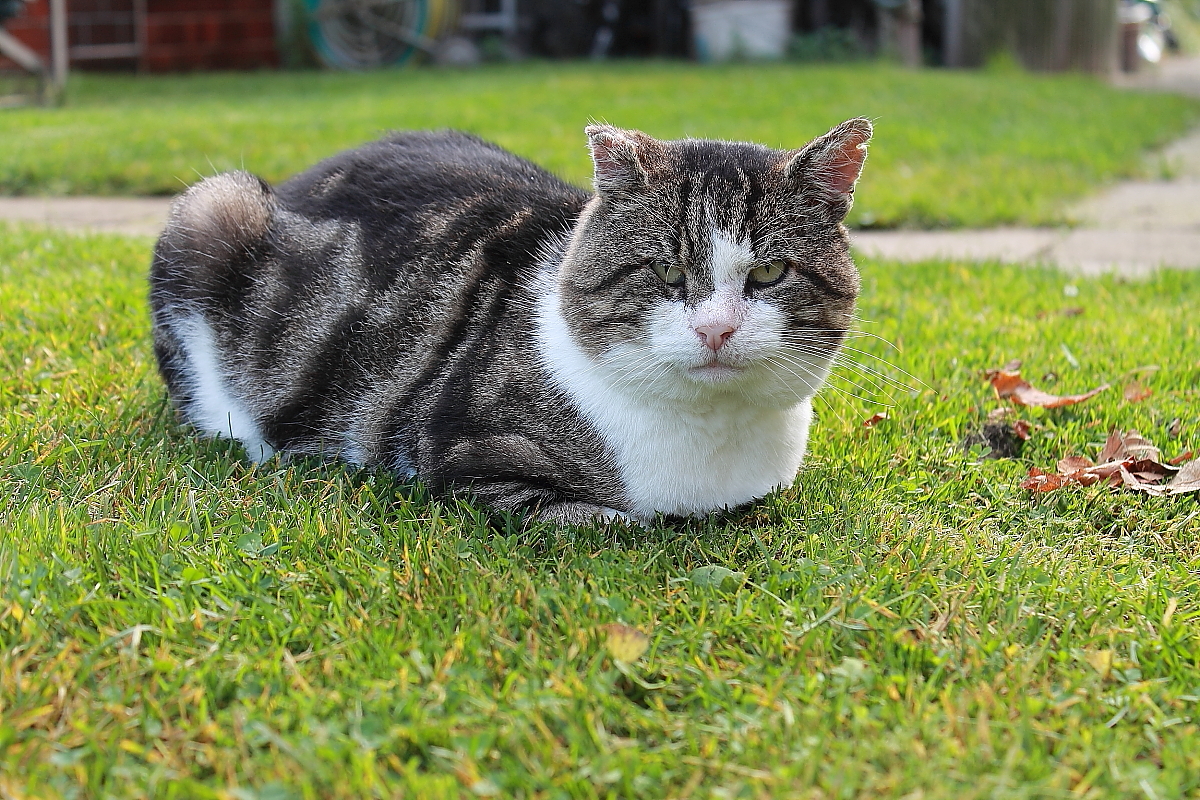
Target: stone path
137, 216
1132, 228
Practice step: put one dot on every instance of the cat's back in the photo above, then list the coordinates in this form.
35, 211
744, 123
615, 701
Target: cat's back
425, 182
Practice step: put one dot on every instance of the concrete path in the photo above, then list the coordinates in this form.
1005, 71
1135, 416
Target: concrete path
136, 216
1132, 228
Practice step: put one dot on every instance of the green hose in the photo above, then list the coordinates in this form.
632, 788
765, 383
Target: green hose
345, 39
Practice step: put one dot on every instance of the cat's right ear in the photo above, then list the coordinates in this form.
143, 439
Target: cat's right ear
623, 160
832, 163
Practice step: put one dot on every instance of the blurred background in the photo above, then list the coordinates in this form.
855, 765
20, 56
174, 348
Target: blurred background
50, 37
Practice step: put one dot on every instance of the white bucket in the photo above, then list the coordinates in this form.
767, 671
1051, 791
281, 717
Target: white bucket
726, 29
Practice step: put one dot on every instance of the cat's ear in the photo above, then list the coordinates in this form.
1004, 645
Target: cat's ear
832, 163
624, 160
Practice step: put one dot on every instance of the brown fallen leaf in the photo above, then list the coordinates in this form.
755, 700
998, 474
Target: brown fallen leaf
1009, 385
1179, 459
1039, 481
1129, 460
1185, 481
875, 419
1135, 391
1132, 445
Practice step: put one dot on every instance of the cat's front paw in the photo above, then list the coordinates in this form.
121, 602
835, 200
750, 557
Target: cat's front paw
573, 513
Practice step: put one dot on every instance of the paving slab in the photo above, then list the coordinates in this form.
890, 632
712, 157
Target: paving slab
1143, 206
134, 216
1008, 245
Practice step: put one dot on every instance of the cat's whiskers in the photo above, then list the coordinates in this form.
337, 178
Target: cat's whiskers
866, 373
841, 359
867, 391
814, 392
849, 333
797, 338
795, 355
651, 377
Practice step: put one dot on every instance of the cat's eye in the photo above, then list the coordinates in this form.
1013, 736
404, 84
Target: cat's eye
769, 273
671, 275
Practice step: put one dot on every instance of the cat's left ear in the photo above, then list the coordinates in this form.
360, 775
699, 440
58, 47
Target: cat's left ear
833, 162
624, 160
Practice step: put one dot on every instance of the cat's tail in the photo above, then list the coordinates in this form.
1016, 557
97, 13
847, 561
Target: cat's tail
219, 220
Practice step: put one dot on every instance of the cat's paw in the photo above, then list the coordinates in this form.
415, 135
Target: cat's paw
571, 513
613, 515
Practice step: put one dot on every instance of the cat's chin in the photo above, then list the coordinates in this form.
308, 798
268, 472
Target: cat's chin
715, 373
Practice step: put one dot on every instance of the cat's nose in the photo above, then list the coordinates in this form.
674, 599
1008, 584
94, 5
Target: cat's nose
715, 336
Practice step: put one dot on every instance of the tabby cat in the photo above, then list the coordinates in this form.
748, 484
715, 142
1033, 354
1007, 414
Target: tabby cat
434, 305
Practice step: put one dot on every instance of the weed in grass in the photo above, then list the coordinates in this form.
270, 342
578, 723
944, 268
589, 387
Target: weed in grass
177, 623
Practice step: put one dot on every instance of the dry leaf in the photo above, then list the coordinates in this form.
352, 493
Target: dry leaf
625, 643
1136, 391
1179, 459
1186, 481
875, 419
1129, 460
1039, 481
1123, 446
1009, 385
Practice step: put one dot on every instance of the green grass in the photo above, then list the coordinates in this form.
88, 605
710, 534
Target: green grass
952, 148
176, 623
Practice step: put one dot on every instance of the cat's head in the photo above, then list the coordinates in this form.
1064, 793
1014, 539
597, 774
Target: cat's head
706, 267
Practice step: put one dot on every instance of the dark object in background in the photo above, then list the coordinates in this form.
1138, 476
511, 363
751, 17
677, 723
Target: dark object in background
838, 21
1048, 36
9, 9
576, 28
844, 30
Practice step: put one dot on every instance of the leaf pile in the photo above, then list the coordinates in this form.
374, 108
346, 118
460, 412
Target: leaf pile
1128, 460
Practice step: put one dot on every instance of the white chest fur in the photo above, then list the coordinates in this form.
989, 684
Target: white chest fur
677, 458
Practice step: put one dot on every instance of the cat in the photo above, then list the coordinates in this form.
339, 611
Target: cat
434, 305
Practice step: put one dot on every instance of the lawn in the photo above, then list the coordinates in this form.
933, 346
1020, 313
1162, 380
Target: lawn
903, 622
952, 148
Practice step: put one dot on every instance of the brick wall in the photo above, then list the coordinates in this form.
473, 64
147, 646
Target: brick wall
180, 35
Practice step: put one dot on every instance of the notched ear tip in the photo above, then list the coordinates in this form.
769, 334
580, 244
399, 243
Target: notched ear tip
860, 127
599, 130
618, 158
834, 161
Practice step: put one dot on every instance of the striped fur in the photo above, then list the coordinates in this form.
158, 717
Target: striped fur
434, 305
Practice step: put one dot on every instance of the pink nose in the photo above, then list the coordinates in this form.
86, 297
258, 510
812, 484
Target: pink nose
715, 336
